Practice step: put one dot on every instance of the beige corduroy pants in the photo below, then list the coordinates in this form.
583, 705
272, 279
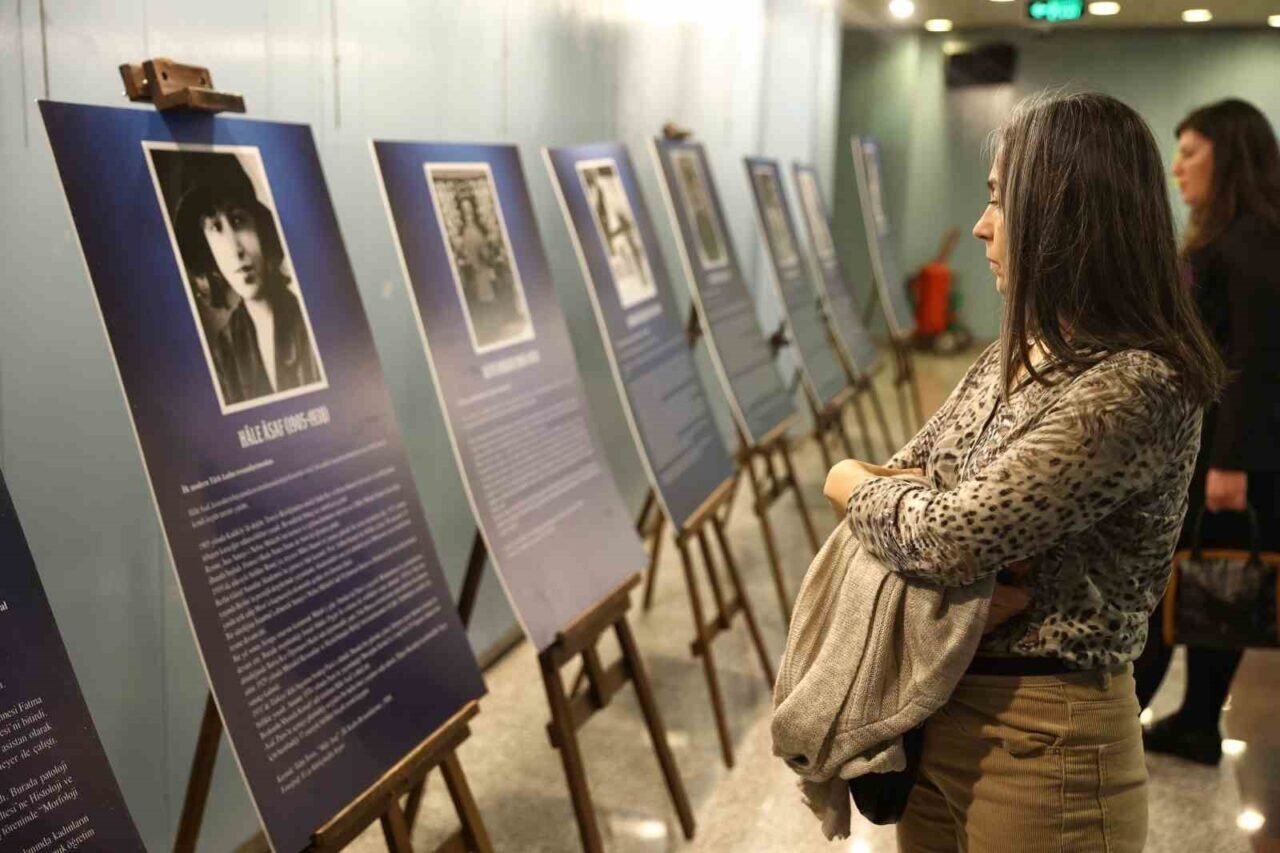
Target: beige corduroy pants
1032, 764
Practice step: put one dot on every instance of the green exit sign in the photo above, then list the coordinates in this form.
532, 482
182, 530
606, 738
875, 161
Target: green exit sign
1055, 10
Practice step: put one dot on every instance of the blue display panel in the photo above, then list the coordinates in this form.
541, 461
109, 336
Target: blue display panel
819, 365
837, 294
305, 563
884, 264
644, 334
739, 350
554, 523
57, 791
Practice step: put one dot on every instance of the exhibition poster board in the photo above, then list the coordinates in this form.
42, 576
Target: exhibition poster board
819, 364
57, 791
739, 349
540, 489
884, 263
837, 293
321, 615
644, 334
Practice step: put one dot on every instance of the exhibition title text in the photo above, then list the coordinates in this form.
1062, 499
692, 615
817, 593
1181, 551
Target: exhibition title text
263, 431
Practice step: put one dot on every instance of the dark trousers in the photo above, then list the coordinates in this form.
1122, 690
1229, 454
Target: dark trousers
1209, 671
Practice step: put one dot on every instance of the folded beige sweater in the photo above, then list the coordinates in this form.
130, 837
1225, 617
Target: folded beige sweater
870, 655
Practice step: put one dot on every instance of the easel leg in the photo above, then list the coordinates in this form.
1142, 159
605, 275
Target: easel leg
770, 547
703, 649
837, 420
651, 576
471, 580
748, 611
860, 418
916, 399
790, 468
396, 830
201, 779
820, 429
717, 592
890, 446
464, 804
902, 389
570, 756
657, 729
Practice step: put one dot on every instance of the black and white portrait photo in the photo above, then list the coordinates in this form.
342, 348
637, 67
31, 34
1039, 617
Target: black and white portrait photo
815, 215
696, 196
484, 268
774, 215
249, 309
616, 226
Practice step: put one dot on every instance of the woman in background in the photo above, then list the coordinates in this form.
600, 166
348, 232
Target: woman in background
1228, 171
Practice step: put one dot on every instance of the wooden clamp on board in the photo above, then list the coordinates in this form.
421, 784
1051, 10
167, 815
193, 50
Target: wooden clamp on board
173, 85
592, 691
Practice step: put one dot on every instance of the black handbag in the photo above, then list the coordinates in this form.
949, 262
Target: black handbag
1222, 597
882, 797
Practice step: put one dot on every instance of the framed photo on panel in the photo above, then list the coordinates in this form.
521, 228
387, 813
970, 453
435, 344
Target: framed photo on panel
653, 366
837, 294
739, 349
884, 265
555, 526
819, 365
293, 521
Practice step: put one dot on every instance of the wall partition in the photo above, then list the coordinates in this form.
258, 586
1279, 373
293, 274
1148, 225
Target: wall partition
749, 76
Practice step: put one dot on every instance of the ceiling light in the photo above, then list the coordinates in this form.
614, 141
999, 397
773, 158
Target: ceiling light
1102, 8
1273, 21
902, 9
1250, 820
938, 25
1001, 1
1197, 16
1230, 746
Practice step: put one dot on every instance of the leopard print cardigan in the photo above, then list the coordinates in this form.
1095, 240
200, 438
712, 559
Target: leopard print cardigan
1087, 477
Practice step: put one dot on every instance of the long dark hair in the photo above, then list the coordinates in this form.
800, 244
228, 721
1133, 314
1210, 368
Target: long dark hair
1246, 169
1092, 267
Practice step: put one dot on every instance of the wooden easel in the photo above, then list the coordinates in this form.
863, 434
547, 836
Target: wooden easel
379, 802
171, 85
861, 385
593, 689
728, 603
767, 487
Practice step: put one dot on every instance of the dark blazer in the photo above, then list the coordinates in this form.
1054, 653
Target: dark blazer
241, 370
1237, 281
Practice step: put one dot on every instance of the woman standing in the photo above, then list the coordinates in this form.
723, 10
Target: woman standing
1228, 171
1067, 450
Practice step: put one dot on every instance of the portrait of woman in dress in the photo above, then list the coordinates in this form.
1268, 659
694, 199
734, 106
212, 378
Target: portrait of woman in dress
251, 315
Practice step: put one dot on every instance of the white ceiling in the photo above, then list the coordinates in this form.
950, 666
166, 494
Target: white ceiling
1133, 13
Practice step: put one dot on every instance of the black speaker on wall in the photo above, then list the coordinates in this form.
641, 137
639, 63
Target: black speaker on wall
982, 65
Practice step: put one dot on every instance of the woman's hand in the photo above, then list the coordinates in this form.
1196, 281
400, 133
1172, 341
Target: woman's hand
847, 475
1226, 490
1009, 599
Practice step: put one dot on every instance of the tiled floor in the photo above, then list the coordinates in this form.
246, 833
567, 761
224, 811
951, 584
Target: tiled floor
520, 789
